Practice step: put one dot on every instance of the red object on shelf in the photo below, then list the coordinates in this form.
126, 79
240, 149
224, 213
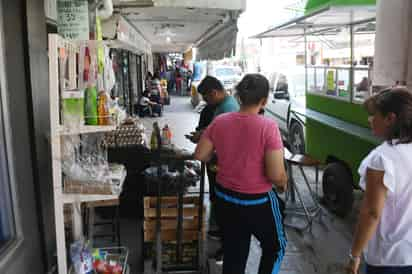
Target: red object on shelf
87, 61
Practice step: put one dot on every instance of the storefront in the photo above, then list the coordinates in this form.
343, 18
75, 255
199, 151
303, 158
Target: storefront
131, 55
22, 248
129, 75
31, 197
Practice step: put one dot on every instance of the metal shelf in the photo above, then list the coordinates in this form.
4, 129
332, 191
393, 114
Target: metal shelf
69, 198
78, 198
84, 130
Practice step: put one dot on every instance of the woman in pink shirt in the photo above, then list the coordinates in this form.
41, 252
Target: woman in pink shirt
250, 157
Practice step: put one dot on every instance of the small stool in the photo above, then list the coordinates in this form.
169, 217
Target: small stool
309, 212
115, 222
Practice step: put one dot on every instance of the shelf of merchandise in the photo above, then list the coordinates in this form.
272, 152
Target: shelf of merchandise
84, 130
80, 198
57, 131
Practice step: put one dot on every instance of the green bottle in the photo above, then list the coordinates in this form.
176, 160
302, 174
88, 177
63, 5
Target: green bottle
90, 106
155, 140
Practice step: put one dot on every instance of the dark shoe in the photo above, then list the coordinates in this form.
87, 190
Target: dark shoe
214, 235
219, 256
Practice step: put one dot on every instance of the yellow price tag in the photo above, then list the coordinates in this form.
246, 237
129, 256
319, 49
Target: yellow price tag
331, 83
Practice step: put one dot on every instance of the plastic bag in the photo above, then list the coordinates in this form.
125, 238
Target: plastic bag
85, 159
81, 258
170, 181
118, 113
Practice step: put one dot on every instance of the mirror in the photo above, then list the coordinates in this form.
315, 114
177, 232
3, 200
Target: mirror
281, 94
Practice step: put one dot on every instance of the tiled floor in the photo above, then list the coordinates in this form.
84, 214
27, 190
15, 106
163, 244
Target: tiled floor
322, 251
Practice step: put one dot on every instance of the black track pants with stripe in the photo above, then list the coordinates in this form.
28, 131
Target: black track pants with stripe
242, 215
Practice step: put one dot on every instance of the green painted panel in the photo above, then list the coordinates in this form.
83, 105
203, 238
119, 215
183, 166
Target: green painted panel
314, 5
348, 112
323, 141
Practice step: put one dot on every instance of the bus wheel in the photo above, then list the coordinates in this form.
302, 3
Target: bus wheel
337, 189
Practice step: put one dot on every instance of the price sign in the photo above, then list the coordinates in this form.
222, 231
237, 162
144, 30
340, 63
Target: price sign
73, 19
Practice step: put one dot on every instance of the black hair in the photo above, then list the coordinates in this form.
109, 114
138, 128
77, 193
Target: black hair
397, 100
208, 84
156, 75
252, 89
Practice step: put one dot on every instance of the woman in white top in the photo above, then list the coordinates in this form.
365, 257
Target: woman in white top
384, 229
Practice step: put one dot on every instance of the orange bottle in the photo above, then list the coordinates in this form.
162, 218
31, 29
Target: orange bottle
103, 109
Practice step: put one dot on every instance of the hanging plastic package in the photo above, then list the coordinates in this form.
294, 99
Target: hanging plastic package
100, 48
90, 73
81, 258
109, 75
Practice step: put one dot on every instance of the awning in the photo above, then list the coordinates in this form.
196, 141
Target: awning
314, 5
321, 21
121, 34
220, 44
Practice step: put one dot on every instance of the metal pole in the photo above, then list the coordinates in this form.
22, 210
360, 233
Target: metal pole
306, 58
131, 93
179, 231
200, 213
352, 73
158, 219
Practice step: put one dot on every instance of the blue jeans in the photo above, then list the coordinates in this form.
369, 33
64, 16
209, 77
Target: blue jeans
388, 269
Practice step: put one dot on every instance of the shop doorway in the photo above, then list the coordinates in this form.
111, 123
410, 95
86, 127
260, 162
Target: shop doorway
20, 239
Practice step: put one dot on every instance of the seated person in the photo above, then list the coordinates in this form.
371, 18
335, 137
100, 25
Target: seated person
148, 107
156, 89
363, 85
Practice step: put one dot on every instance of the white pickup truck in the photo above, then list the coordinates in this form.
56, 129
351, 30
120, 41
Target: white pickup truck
287, 95
229, 76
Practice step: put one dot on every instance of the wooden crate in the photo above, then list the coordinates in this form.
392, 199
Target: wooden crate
189, 252
77, 187
169, 212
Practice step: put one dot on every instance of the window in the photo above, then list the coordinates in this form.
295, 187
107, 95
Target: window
328, 60
311, 79
223, 72
343, 83
364, 41
7, 225
320, 80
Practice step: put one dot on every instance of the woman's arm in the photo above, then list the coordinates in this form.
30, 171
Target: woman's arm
371, 210
369, 216
275, 169
204, 150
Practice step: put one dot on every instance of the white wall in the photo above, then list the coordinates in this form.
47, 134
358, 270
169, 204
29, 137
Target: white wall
393, 45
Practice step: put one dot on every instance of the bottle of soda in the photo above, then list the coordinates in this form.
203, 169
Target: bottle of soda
103, 109
166, 135
155, 140
90, 106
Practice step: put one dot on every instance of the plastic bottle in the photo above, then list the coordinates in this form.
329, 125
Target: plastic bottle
166, 135
155, 140
103, 109
90, 106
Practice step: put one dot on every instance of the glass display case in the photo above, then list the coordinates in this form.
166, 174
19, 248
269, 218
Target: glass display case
330, 71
